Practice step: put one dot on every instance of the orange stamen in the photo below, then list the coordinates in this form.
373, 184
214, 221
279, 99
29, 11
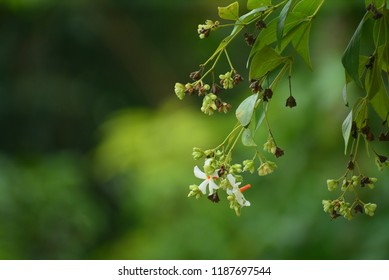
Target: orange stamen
242, 189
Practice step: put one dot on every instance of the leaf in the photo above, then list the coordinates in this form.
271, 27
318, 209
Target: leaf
373, 80
269, 36
245, 19
308, 7
230, 12
245, 110
281, 22
346, 129
247, 138
344, 95
380, 103
350, 58
301, 42
264, 61
262, 117
253, 4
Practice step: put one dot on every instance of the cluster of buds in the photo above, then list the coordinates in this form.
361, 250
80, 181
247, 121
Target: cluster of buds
340, 207
373, 9
211, 94
205, 29
271, 147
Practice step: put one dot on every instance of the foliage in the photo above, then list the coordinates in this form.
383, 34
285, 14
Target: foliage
282, 30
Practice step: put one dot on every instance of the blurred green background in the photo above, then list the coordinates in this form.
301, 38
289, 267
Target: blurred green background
95, 149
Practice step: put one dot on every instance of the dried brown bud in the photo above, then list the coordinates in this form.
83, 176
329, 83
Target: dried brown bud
279, 152
291, 102
260, 24
237, 79
196, 75
268, 94
249, 39
358, 208
214, 197
255, 86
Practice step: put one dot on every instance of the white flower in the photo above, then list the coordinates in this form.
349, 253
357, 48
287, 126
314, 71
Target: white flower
235, 191
208, 180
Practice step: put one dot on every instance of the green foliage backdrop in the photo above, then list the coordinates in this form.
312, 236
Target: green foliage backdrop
95, 153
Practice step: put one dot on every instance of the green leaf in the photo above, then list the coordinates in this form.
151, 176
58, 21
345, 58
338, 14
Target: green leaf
301, 42
344, 95
346, 129
282, 19
230, 12
380, 102
253, 4
264, 61
308, 7
245, 110
247, 138
350, 58
373, 80
360, 112
269, 36
262, 117
245, 19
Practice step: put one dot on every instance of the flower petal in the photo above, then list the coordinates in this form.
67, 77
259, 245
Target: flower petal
199, 174
231, 179
203, 187
212, 186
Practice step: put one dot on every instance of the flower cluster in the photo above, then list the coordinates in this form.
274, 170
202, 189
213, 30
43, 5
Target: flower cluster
219, 174
340, 207
211, 94
204, 29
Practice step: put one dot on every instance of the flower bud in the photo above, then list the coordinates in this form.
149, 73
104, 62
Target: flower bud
197, 153
236, 168
179, 89
248, 166
266, 168
328, 206
370, 208
332, 184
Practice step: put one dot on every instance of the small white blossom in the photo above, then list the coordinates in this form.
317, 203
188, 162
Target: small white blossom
235, 191
208, 181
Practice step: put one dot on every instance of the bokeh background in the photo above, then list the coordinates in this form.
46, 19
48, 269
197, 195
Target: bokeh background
95, 149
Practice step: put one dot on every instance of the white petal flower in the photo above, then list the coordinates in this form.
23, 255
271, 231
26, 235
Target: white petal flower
208, 181
235, 191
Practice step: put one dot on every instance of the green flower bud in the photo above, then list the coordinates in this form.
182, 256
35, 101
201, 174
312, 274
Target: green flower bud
179, 89
209, 105
194, 191
197, 153
270, 146
332, 184
209, 166
328, 206
236, 168
226, 80
370, 208
345, 183
249, 165
345, 210
266, 168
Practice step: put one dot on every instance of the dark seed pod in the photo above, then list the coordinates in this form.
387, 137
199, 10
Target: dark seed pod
214, 197
268, 94
358, 208
279, 152
291, 102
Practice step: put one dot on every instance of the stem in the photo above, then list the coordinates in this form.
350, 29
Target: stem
229, 60
228, 136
